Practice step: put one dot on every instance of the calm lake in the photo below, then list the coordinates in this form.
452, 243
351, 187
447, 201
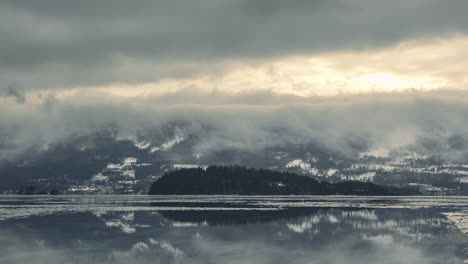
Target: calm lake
233, 229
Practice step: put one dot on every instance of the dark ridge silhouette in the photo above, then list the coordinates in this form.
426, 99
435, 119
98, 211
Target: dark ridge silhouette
31, 190
247, 181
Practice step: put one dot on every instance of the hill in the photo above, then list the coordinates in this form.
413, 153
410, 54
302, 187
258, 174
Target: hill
246, 181
101, 162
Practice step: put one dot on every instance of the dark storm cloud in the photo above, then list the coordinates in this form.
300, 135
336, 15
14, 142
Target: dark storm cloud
54, 43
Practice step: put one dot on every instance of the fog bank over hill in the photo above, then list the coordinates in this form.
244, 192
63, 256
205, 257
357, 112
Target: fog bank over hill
432, 123
106, 96
120, 145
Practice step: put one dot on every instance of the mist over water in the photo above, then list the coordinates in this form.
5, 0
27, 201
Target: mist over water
230, 229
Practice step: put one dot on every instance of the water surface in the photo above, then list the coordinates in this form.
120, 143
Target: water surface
232, 229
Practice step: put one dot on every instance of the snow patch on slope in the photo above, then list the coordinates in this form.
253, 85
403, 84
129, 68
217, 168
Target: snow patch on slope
168, 144
99, 178
142, 145
189, 166
463, 179
364, 177
125, 168
331, 172
298, 163
379, 152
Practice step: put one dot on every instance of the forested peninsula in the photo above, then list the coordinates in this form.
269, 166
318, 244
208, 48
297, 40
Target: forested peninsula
219, 180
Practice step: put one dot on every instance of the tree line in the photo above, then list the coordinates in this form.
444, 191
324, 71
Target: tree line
248, 181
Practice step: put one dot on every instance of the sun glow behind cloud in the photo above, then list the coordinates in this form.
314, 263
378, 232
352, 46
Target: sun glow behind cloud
414, 65
382, 96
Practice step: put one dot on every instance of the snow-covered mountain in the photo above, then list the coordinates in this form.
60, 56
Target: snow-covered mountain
102, 162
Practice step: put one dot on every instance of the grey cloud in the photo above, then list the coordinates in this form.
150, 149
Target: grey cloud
433, 121
55, 44
15, 92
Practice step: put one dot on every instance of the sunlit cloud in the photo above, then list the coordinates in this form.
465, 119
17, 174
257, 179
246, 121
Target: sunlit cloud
408, 66
377, 96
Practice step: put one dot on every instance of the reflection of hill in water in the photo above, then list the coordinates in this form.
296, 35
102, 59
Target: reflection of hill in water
233, 216
174, 236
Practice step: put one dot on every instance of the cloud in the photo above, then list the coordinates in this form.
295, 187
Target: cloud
246, 74
51, 44
431, 121
412, 65
15, 92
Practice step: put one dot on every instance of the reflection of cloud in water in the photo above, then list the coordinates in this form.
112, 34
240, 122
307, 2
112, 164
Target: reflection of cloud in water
147, 251
189, 224
363, 214
168, 247
307, 224
379, 239
289, 235
300, 228
121, 220
460, 219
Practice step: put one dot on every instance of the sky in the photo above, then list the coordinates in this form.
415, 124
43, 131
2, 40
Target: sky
390, 71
